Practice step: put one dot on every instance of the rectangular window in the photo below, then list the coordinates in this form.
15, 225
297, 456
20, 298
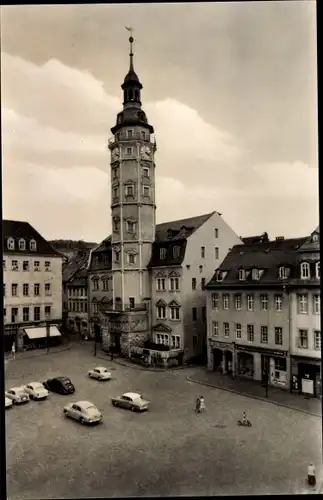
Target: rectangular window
14, 289
250, 302
264, 334
216, 233
47, 311
264, 302
303, 339
194, 313
250, 333
47, 265
146, 191
176, 341
226, 329
25, 290
162, 338
161, 312
129, 134
160, 284
146, 172
115, 173
278, 335
131, 302
193, 283
174, 284
129, 190
317, 339
225, 299
216, 253
162, 253
47, 289
131, 258
25, 314
238, 330
202, 283
176, 252
174, 313
14, 265
215, 325
37, 313
95, 285
129, 151
302, 300
279, 302
14, 314
4, 265
204, 313
36, 265
237, 301
203, 252
116, 256
215, 300
25, 265
316, 304
280, 364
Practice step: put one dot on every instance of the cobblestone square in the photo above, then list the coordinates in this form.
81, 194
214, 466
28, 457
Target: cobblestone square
167, 451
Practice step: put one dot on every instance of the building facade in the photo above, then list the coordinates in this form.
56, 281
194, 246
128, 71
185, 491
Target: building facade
32, 286
249, 311
146, 281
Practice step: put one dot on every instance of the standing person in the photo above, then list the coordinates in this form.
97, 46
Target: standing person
202, 404
197, 405
311, 479
13, 350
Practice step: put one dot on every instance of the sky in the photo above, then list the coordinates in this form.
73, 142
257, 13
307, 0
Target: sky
230, 88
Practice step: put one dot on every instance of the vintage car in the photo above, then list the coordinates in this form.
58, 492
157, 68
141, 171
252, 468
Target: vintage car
131, 401
61, 385
100, 373
36, 390
18, 395
83, 411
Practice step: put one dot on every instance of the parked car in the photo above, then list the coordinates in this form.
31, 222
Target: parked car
100, 373
18, 395
83, 411
131, 401
36, 390
61, 385
8, 402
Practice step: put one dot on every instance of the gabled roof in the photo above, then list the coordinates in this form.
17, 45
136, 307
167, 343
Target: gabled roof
23, 230
267, 256
191, 224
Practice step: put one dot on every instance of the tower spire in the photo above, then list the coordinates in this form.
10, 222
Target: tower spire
131, 40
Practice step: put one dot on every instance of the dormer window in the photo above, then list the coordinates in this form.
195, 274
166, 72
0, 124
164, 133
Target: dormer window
283, 273
255, 274
176, 251
241, 275
22, 244
317, 270
315, 237
11, 244
219, 275
305, 270
169, 234
162, 253
33, 245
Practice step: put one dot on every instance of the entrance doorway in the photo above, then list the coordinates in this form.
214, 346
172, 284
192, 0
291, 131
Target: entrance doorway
217, 359
228, 361
115, 344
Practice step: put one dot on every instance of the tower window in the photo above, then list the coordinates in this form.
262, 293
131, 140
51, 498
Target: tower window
116, 225
143, 135
129, 190
131, 258
115, 192
137, 95
115, 173
146, 191
146, 172
130, 133
129, 151
131, 226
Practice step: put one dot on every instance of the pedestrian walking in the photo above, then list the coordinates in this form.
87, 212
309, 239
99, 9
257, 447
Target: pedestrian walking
311, 478
13, 350
202, 404
197, 405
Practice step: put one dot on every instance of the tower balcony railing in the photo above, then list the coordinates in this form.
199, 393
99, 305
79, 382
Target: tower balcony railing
135, 135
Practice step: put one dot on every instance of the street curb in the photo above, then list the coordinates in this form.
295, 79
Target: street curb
250, 396
143, 368
18, 358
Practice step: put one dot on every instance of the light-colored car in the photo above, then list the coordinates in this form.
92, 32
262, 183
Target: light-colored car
83, 411
131, 401
18, 395
100, 373
36, 390
7, 402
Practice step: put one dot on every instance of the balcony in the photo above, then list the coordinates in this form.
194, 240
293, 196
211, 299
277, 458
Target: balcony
136, 135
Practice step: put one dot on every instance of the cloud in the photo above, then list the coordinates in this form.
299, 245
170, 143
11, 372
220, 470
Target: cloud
56, 174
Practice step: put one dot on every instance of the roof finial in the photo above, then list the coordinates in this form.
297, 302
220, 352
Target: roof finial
131, 40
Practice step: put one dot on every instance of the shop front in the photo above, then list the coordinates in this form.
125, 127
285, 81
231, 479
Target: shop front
222, 359
11, 336
245, 364
306, 376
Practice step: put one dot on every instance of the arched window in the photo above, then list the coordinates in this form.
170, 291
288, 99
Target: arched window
33, 245
130, 95
22, 244
11, 244
305, 270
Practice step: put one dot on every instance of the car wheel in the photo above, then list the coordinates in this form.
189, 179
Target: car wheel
82, 421
114, 403
133, 408
99, 378
65, 412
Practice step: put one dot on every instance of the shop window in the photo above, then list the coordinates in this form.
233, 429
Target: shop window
280, 364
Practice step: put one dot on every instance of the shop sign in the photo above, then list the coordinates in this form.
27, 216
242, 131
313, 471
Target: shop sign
261, 350
222, 345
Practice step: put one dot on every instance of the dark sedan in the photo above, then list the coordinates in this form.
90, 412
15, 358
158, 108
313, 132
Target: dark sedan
61, 385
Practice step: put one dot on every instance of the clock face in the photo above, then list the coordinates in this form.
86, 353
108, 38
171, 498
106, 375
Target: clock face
145, 151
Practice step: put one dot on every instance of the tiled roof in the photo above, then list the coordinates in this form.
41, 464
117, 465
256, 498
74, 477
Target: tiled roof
77, 263
172, 257
23, 230
191, 224
248, 240
268, 256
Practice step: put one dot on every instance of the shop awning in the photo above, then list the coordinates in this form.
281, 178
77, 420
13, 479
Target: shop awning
40, 332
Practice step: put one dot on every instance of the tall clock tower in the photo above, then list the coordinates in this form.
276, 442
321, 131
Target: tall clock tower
133, 207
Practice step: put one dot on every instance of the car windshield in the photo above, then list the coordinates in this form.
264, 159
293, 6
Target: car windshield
65, 381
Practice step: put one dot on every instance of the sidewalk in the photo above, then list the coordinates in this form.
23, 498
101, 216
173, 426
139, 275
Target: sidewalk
254, 389
38, 352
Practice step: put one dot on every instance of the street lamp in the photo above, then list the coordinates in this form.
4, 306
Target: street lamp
47, 331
